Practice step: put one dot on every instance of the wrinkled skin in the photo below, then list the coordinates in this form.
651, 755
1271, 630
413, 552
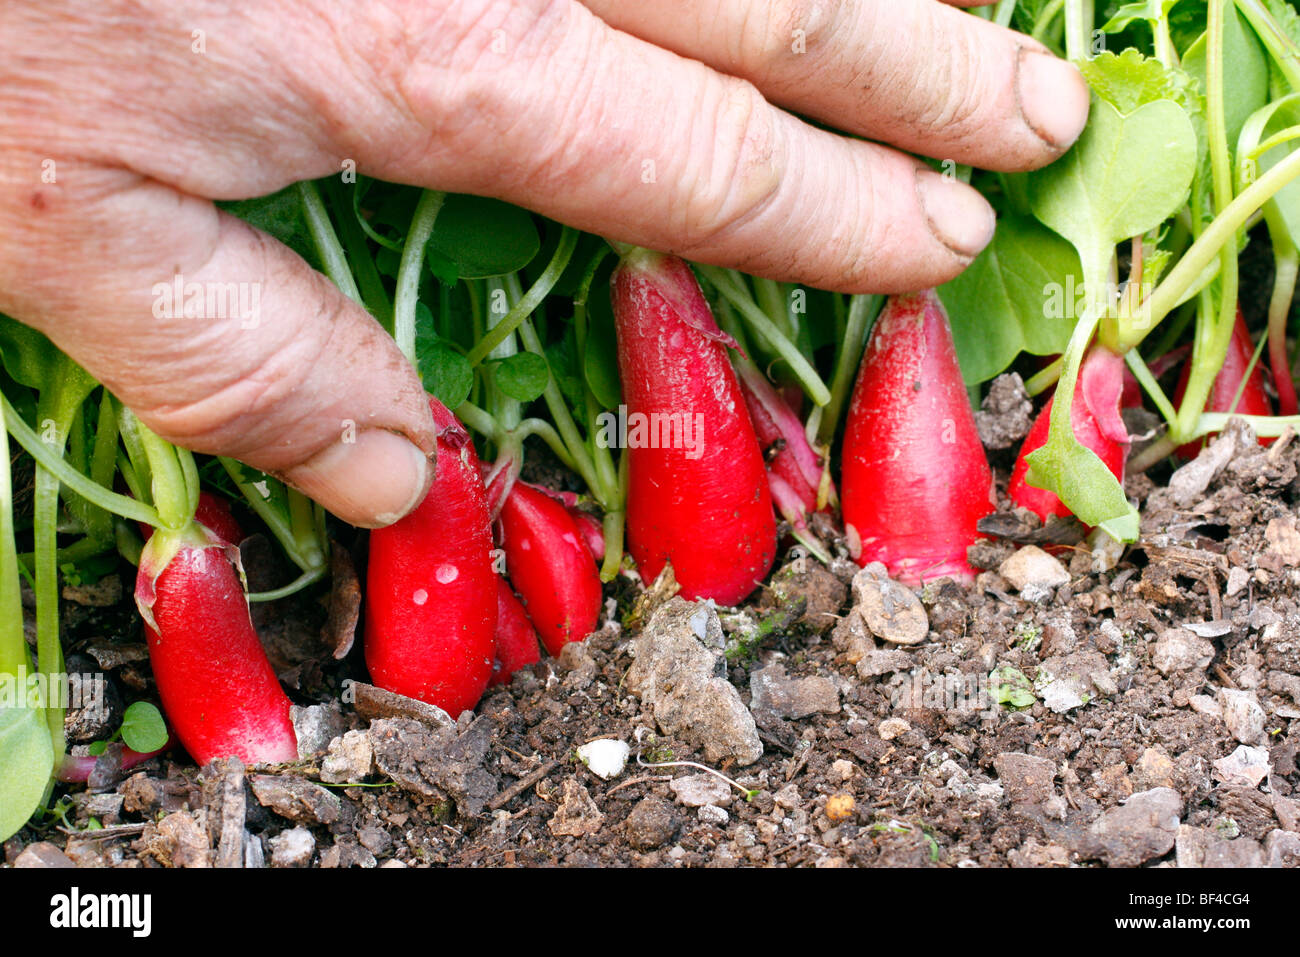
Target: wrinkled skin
659, 124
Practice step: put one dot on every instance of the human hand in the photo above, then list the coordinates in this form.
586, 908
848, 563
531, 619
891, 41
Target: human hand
120, 122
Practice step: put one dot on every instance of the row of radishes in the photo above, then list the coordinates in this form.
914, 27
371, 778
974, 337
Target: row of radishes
441, 624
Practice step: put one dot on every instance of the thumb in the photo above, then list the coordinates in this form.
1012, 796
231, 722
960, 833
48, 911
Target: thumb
220, 338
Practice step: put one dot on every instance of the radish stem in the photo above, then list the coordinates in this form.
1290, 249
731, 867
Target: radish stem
410, 270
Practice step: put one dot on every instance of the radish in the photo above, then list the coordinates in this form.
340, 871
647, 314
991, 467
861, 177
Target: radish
795, 472
1095, 418
213, 512
216, 685
915, 480
431, 600
697, 492
1254, 400
516, 639
550, 564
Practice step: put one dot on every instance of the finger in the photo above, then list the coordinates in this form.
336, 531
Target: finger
920, 75
611, 134
220, 338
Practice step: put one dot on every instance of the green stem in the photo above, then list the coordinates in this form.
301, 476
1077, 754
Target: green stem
1209, 245
613, 526
1283, 50
13, 646
171, 495
1045, 20
1044, 379
333, 260
275, 519
411, 268
803, 371
373, 294
1004, 12
531, 299
862, 310
1078, 21
105, 499
563, 420
308, 577
1149, 383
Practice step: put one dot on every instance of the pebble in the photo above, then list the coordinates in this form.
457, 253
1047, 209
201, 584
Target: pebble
891, 728
843, 769
1282, 849
1026, 779
1030, 566
712, 814
1238, 578
774, 692
316, 726
697, 790
1204, 704
787, 797
891, 611
678, 677
1153, 770
292, 848
652, 823
296, 798
605, 758
43, 854
577, 814
1177, 649
1144, 827
1204, 847
1242, 714
839, 807
349, 758
1246, 766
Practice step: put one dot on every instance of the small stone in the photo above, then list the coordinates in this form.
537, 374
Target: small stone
43, 854
1246, 766
1242, 714
697, 790
712, 814
1177, 649
1203, 847
1288, 812
180, 842
1031, 565
891, 611
1153, 770
839, 807
774, 692
605, 758
1283, 540
891, 728
296, 798
350, 759
292, 848
1282, 849
316, 726
1025, 779
652, 823
1204, 704
1144, 827
375, 840
577, 814
843, 769
884, 662
1238, 578
787, 797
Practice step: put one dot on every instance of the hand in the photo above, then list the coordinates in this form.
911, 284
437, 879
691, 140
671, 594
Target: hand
119, 122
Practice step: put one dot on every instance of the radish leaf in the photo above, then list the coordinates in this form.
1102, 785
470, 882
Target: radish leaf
1107, 188
1003, 303
484, 237
143, 728
26, 762
522, 376
1081, 480
1245, 55
444, 371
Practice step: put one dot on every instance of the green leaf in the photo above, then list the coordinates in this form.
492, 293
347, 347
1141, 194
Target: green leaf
522, 376
1017, 296
279, 214
1081, 480
96, 748
444, 371
600, 364
26, 763
143, 728
1245, 87
1151, 11
29, 357
1011, 687
1107, 188
1129, 80
1274, 118
484, 237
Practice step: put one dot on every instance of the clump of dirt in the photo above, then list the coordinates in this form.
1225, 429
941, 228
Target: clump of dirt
1067, 712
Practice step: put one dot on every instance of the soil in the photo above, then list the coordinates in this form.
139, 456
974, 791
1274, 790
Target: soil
1143, 711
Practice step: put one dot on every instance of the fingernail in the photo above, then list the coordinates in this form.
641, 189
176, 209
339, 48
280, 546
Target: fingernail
956, 214
1052, 96
370, 482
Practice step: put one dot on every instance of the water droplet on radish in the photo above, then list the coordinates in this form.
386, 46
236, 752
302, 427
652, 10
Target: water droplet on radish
446, 574
420, 596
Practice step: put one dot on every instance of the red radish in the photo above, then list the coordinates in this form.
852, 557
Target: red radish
1095, 417
213, 512
550, 564
915, 480
431, 600
795, 472
697, 492
593, 533
217, 688
1254, 400
516, 639
76, 769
